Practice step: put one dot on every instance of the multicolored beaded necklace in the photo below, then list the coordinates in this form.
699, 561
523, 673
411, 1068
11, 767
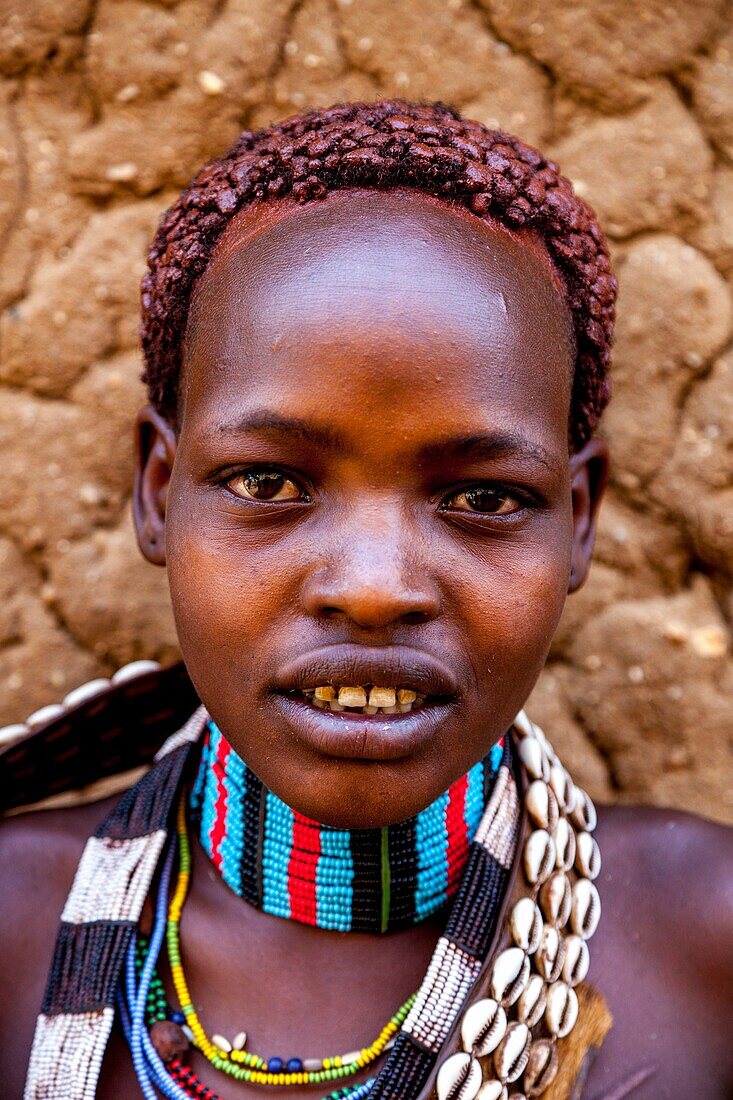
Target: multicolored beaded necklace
365, 880
94, 962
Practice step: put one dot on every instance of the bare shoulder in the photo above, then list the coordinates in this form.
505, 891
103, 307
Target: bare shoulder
677, 868
680, 863
39, 853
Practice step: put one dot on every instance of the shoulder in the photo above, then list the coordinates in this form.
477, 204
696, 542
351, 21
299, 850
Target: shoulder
39, 853
675, 869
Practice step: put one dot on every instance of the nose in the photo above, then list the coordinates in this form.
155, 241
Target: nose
376, 575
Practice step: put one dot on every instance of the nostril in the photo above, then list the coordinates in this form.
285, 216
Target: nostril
415, 617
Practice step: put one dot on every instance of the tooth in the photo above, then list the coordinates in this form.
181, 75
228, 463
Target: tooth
404, 695
318, 703
405, 708
390, 710
370, 710
334, 705
352, 697
381, 697
326, 693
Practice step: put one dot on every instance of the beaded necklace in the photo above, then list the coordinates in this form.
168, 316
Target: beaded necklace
515, 1004
365, 880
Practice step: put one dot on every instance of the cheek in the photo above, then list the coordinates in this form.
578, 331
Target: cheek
510, 602
222, 589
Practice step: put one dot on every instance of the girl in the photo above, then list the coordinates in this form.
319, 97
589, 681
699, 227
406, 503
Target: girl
377, 343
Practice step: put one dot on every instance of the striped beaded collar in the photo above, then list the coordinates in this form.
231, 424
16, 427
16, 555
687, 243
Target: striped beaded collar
361, 880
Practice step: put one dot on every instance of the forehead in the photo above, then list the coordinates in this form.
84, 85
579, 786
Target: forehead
390, 289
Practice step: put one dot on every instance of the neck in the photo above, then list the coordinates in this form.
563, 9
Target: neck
360, 880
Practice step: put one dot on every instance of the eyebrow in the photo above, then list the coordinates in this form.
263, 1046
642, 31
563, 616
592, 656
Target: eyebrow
489, 445
262, 420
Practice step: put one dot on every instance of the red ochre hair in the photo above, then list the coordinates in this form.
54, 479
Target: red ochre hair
385, 144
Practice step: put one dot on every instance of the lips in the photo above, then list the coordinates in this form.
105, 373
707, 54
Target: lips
359, 733
395, 666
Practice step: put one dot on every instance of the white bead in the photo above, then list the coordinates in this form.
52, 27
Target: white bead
459, 1078
43, 715
240, 1040
134, 669
482, 1027
13, 732
222, 1043
85, 691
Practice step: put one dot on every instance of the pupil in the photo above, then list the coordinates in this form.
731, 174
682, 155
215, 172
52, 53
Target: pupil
484, 500
265, 485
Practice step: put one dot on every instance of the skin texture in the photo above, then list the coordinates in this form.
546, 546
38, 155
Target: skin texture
397, 321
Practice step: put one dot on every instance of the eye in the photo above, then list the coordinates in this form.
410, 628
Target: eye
265, 485
486, 499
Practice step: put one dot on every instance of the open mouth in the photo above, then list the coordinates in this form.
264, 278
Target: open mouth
363, 699
365, 702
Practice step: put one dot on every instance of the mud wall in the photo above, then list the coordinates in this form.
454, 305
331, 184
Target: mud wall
108, 107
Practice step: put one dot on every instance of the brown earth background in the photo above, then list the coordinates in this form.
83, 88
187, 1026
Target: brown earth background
108, 108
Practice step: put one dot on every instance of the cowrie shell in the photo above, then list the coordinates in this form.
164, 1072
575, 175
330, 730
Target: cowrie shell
509, 975
541, 1067
459, 1078
564, 838
533, 757
542, 807
550, 955
483, 1027
556, 897
584, 812
545, 743
512, 1053
525, 923
523, 726
493, 1090
586, 908
587, 855
539, 856
563, 787
561, 1010
532, 1001
577, 960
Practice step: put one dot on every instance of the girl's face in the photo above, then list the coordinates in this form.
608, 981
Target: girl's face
370, 486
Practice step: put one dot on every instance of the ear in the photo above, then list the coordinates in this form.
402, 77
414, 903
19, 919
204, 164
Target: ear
156, 449
588, 479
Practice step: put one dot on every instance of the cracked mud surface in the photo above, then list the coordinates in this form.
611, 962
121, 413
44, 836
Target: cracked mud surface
108, 107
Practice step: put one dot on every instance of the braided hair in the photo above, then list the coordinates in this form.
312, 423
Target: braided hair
384, 144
